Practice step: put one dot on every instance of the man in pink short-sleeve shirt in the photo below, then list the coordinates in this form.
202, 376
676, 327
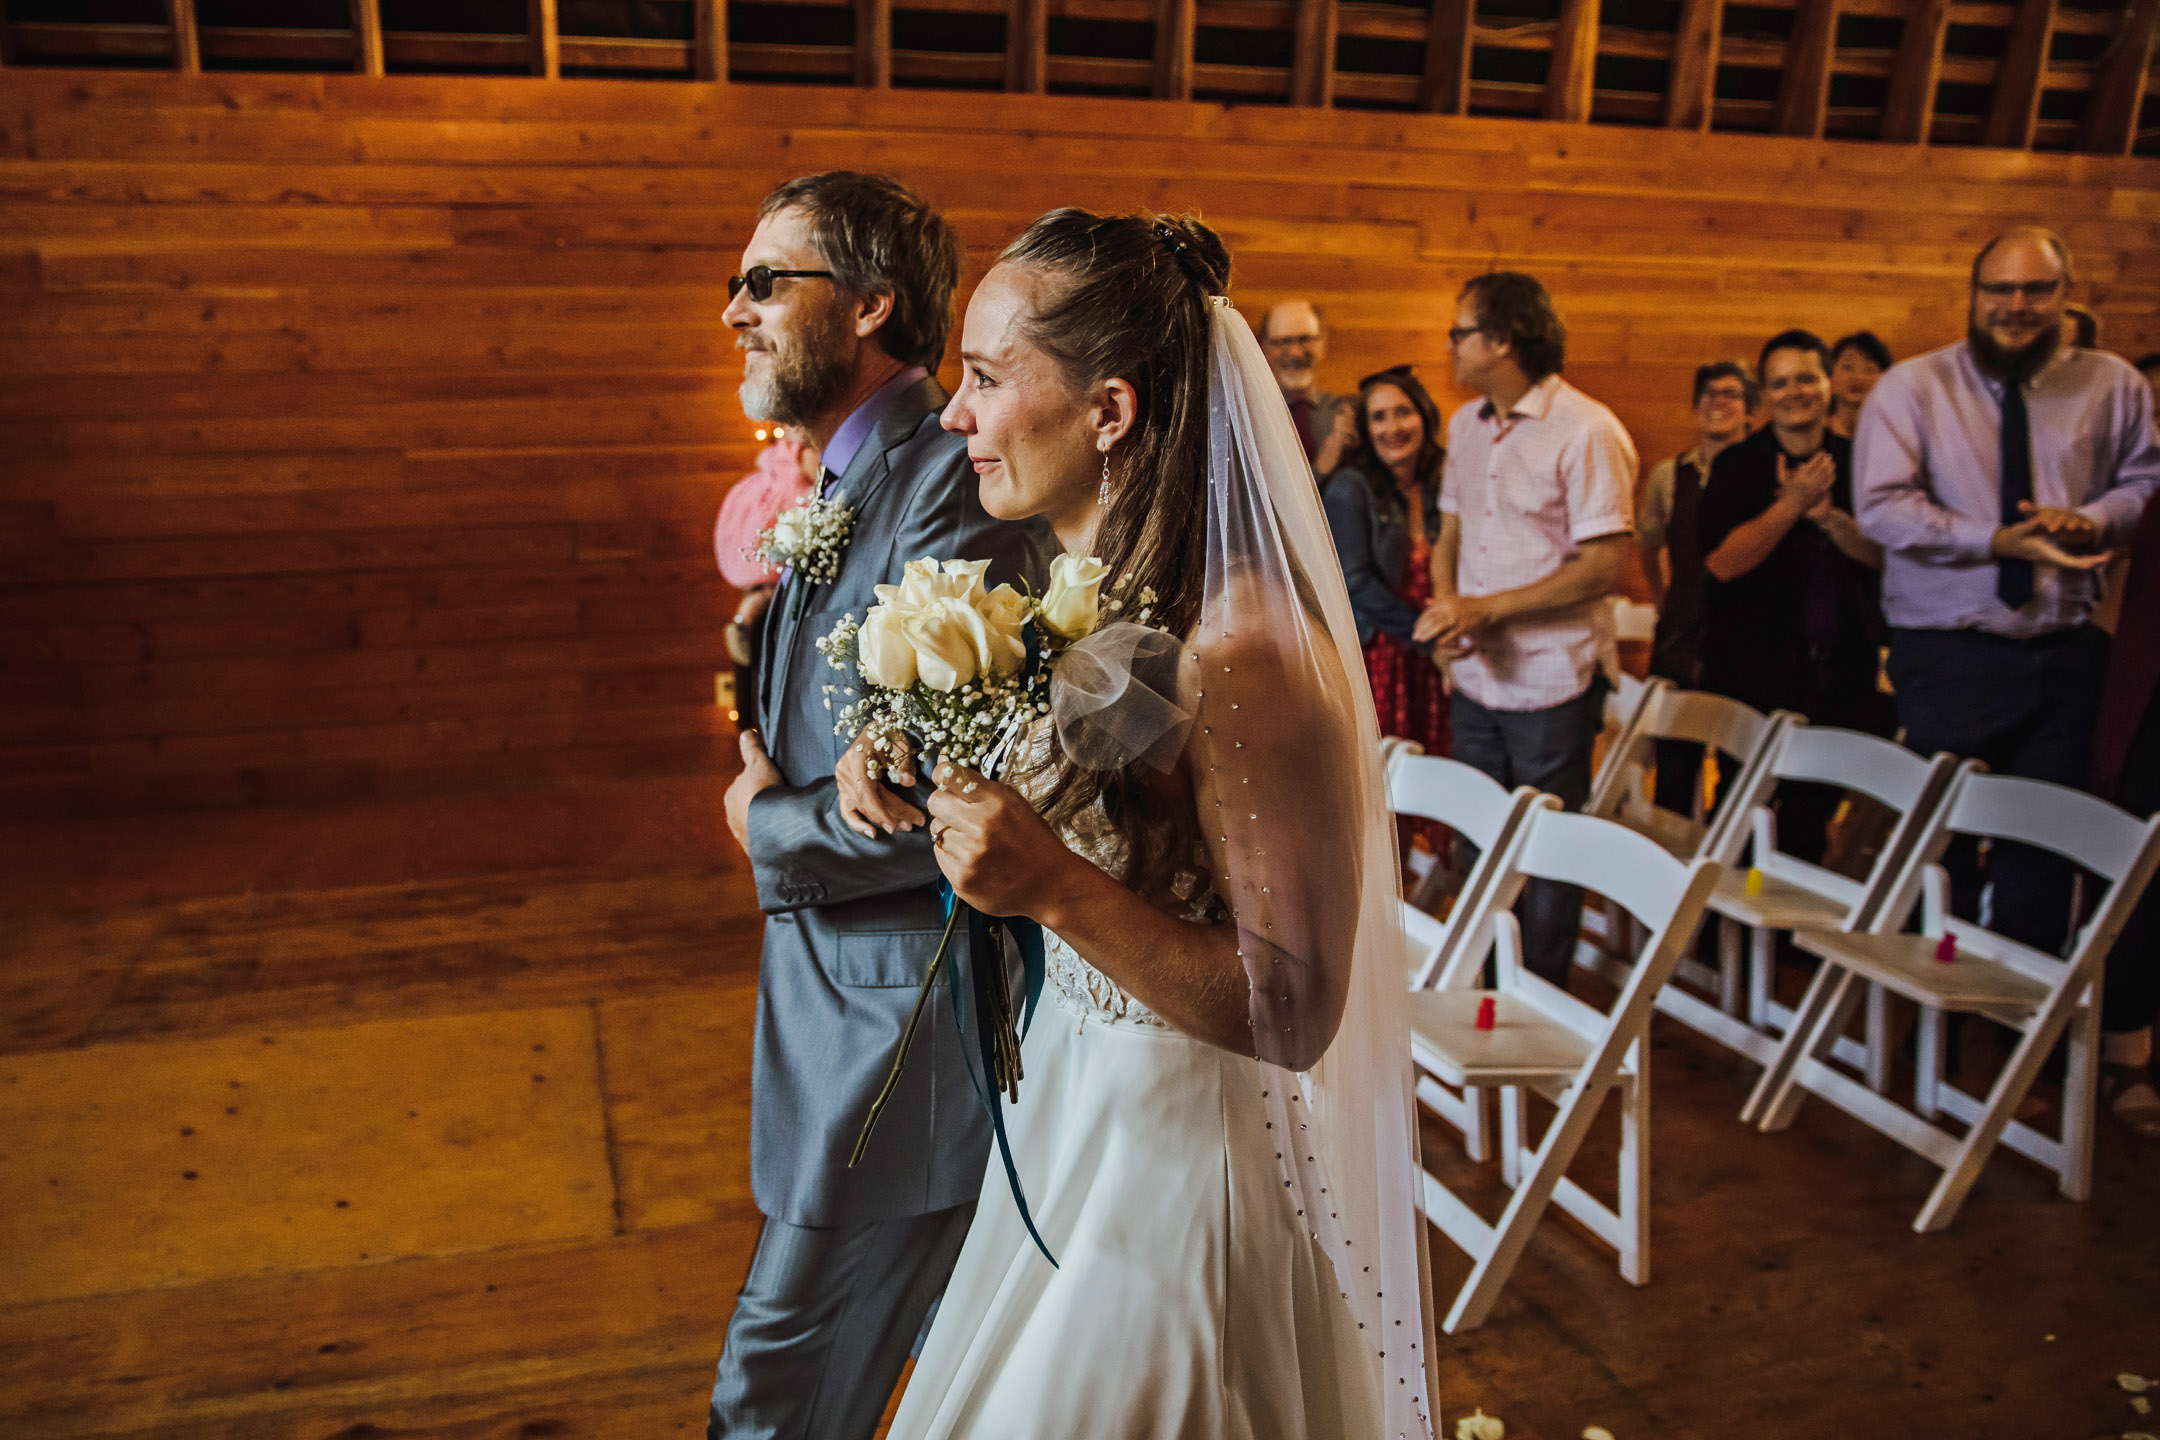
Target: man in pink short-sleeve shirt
1537, 509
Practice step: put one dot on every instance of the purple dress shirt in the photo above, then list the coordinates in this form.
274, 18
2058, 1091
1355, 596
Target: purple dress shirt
1927, 465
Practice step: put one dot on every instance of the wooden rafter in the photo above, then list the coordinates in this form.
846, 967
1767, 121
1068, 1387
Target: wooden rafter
2111, 115
546, 36
1445, 86
1909, 113
2016, 104
1691, 90
1568, 86
1027, 46
1804, 92
186, 45
1174, 24
710, 42
1312, 65
367, 37
873, 43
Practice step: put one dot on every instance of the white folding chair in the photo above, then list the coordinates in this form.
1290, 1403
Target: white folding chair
2036, 994
1544, 1039
1474, 805
1780, 892
1625, 705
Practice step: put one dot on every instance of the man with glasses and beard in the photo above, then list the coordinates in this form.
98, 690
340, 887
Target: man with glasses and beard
1997, 473
1295, 342
842, 311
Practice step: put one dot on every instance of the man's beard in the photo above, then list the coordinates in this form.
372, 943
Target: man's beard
1294, 377
2020, 364
807, 375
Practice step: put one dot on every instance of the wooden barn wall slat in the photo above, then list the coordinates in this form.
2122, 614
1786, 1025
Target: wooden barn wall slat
365, 435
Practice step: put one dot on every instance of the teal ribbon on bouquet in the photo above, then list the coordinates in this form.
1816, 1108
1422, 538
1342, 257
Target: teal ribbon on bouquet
990, 1047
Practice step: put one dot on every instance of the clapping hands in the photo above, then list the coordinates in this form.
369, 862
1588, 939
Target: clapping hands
2051, 536
1806, 487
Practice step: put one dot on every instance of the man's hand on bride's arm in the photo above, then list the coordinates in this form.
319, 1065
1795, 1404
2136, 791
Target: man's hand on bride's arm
866, 805
996, 852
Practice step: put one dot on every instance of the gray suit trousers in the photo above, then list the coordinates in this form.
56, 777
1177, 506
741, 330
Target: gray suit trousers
825, 1322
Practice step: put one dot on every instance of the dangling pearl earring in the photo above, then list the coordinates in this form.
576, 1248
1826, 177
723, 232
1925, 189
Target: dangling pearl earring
1102, 491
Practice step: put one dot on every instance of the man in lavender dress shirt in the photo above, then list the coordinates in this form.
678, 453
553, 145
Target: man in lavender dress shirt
1997, 473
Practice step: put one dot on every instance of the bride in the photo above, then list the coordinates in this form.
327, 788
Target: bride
1215, 1132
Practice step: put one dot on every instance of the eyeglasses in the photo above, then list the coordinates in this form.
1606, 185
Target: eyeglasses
2031, 289
1389, 376
1732, 394
1458, 333
759, 281
1284, 342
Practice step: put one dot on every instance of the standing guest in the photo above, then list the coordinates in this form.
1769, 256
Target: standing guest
1792, 610
786, 473
1383, 508
1295, 343
1996, 472
1857, 361
1536, 513
843, 306
1665, 536
2126, 769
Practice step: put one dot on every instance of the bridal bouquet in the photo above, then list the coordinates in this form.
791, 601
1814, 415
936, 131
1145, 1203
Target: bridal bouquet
949, 670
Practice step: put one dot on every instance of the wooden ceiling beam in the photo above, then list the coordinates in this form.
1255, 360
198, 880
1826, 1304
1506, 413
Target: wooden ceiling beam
1444, 89
1312, 65
1570, 83
2111, 115
873, 44
1804, 91
367, 37
186, 46
1175, 22
543, 25
1027, 46
1691, 91
1909, 113
709, 42
2016, 103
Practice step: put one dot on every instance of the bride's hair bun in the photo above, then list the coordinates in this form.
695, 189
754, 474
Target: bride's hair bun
1199, 250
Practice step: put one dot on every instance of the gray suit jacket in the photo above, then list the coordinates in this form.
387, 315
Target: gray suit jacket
853, 922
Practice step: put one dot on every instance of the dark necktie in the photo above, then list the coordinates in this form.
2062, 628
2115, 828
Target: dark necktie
2014, 578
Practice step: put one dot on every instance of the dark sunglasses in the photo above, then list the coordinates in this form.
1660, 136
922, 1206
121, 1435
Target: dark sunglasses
759, 281
1389, 375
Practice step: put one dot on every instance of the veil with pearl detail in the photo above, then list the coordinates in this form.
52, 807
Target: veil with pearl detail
1284, 749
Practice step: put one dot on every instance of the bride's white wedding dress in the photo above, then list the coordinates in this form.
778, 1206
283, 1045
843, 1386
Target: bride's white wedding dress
1190, 1301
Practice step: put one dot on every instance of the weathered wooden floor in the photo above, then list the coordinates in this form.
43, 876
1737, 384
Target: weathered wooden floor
465, 1156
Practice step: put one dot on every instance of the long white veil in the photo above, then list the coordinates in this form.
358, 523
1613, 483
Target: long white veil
1286, 752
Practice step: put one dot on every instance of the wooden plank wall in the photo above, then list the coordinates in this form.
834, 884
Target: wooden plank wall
360, 437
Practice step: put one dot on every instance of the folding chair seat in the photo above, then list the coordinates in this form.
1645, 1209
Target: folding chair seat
1469, 802
1546, 1040
1780, 892
2038, 995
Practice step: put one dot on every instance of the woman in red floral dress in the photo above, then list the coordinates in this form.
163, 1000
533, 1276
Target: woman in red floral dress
1383, 506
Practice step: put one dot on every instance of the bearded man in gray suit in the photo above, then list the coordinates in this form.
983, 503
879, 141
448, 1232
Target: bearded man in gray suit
842, 311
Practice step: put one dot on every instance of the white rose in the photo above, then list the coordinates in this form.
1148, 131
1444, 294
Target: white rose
949, 638
1005, 611
960, 580
882, 651
915, 589
789, 528
1071, 606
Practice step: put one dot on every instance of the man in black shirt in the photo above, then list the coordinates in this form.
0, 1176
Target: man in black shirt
1792, 611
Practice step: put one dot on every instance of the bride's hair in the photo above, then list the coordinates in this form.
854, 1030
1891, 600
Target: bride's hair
1127, 297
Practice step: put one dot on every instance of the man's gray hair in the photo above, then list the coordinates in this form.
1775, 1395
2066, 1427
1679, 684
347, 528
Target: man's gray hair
879, 237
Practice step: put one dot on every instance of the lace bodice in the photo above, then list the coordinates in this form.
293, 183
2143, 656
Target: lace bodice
1089, 993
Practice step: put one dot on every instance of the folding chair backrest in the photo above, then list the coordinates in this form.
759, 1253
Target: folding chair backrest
1722, 723
1469, 801
1423, 937
1870, 765
1457, 795
1620, 765
1727, 726
1633, 621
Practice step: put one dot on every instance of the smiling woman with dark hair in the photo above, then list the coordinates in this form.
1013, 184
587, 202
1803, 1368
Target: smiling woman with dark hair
1383, 509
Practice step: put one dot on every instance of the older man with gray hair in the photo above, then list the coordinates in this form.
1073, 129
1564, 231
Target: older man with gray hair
1998, 474
1295, 343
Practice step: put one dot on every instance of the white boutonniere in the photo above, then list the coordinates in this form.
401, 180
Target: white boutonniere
808, 538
